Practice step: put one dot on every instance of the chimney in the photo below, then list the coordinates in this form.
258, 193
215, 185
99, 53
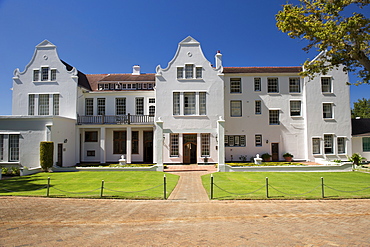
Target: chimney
218, 58
136, 70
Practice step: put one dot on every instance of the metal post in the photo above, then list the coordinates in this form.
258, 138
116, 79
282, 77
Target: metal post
102, 188
322, 187
267, 187
211, 192
164, 187
48, 187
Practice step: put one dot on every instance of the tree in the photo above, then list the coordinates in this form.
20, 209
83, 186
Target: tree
46, 155
361, 108
325, 24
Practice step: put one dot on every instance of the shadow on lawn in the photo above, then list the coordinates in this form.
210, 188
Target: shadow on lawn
22, 184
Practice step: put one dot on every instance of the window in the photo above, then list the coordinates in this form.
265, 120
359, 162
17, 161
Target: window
235, 108
135, 142
272, 85
89, 107
139, 106
55, 104
31, 104
180, 72
53, 74
341, 143
316, 146
199, 71
44, 104
151, 100
235, 85
101, 106
119, 142
205, 138
13, 147
295, 108
294, 85
44, 74
235, 141
174, 142
274, 117
152, 110
258, 140
257, 84
1, 147
189, 103
91, 136
257, 107
366, 144
202, 103
36, 75
189, 71
120, 106
328, 144
326, 85
327, 110
90, 153
176, 104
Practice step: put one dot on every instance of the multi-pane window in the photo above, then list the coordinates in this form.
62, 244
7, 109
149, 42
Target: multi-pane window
189, 103
327, 110
101, 106
294, 85
326, 85
44, 73
328, 144
189, 71
44, 104
235, 108
31, 104
139, 106
235, 140
180, 72
55, 104
257, 84
1, 147
341, 144
199, 71
176, 103
135, 142
316, 146
258, 140
89, 106
174, 142
235, 85
53, 74
202, 103
205, 138
151, 100
36, 75
152, 110
120, 106
366, 144
91, 136
13, 147
274, 117
295, 108
119, 142
257, 107
272, 85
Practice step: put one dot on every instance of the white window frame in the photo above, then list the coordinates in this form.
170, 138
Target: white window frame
294, 85
151, 110
202, 103
205, 141
36, 75
44, 104
316, 145
328, 143
101, 106
14, 147
198, 72
53, 74
295, 108
174, 145
257, 84
56, 104
273, 85
325, 112
341, 145
258, 107
258, 140
235, 85
176, 103
45, 73
189, 103
274, 117
180, 72
139, 105
326, 84
31, 104
120, 106
189, 71
236, 108
89, 106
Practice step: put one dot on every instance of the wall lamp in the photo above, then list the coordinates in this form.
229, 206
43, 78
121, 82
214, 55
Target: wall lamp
267, 141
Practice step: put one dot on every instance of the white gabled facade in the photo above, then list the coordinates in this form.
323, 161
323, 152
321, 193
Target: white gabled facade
188, 112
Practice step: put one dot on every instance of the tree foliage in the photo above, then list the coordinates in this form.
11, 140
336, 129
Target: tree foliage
361, 108
327, 26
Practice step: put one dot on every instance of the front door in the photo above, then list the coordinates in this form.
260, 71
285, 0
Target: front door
148, 146
190, 149
60, 155
275, 151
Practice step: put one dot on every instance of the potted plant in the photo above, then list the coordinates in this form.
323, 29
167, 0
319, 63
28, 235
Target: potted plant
266, 157
288, 157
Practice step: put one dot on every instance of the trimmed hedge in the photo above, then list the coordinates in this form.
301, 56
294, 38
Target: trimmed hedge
46, 155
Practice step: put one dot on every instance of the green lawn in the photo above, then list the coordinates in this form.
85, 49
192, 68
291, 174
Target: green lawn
88, 184
288, 185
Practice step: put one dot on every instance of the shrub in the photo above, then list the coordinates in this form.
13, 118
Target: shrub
46, 155
288, 155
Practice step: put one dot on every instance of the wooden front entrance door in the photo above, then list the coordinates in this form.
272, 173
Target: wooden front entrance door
275, 151
148, 146
60, 155
190, 149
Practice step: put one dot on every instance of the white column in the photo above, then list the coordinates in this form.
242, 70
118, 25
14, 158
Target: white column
159, 143
102, 145
221, 144
128, 145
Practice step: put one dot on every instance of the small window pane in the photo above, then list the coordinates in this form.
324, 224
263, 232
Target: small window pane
328, 144
44, 104
235, 108
257, 84
36, 75
55, 104
272, 85
199, 71
258, 140
101, 106
294, 85
189, 103
205, 138
295, 108
235, 85
176, 103
366, 144
120, 106
174, 142
139, 106
327, 110
316, 145
89, 107
274, 117
91, 136
189, 71
341, 145
53, 74
45, 74
257, 107
31, 104
326, 84
180, 72
202, 103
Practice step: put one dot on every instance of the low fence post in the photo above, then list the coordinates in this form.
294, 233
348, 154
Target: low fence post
211, 192
102, 188
322, 188
48, 187
267, 187
164, 187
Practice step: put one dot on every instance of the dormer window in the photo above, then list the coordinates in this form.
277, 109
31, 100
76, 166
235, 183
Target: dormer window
44, 73
189, 71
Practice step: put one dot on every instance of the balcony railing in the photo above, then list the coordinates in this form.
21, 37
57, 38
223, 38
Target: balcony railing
116, 119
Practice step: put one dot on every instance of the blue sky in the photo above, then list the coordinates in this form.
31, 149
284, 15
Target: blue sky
111, 36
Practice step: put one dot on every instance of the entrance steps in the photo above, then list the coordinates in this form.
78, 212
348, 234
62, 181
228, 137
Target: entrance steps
188, 168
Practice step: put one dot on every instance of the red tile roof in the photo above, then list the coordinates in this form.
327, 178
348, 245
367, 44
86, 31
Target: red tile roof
231, 70
94, 79
129, 78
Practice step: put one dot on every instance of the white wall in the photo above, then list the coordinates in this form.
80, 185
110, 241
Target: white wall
357, 147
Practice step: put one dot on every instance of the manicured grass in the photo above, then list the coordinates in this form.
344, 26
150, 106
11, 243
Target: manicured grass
240, 185
267, 164
88, 184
